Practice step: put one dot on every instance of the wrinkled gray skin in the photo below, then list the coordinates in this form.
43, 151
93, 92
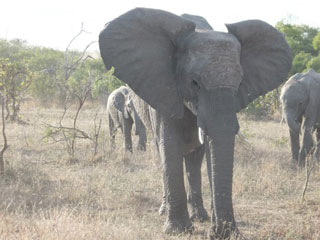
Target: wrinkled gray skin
300, 98
195, 78
122, 114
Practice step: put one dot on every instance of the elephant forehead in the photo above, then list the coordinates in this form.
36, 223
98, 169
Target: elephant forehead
117, 99
222, 71
215, 57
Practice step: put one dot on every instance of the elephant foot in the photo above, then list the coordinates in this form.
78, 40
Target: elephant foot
225, 231
178, 225
162, 209
141, 148
301, 164
199, 214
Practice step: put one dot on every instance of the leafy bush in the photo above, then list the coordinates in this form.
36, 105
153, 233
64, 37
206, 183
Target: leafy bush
265, 105
314, 63
55, 72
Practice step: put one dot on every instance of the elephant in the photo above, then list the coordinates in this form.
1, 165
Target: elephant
300, 100
122, 114
195, 81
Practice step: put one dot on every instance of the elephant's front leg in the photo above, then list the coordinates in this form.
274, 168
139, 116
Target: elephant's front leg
127, 127
112, 131
169, 142
193, 162
141, 132
295, 145
163, 207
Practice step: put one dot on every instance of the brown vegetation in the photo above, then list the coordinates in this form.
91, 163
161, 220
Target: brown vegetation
43, 195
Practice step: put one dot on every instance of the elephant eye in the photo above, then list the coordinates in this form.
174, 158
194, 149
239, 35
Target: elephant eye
195, 84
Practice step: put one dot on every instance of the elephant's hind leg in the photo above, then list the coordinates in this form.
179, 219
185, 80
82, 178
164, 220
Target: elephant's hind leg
193, 162
112, 131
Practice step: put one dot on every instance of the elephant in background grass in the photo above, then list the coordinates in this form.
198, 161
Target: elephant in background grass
195, 81
122, 113
300, 98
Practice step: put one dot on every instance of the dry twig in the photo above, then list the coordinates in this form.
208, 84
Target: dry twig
310, 163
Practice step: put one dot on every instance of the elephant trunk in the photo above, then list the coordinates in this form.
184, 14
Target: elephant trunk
219, 153
220, 126
139, 130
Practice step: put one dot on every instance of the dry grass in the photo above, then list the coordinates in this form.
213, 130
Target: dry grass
114, 196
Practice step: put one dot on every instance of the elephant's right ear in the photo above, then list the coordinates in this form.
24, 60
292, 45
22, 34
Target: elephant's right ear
265, 59
141, 45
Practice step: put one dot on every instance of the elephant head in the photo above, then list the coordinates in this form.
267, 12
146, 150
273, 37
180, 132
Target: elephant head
172, 65
294, 98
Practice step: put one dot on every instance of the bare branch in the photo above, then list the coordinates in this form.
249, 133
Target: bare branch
72, 62
310, 163
75, 37
81, 59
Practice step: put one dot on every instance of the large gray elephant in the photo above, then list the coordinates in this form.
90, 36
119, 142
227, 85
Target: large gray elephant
300, 98
122, 114
195, 79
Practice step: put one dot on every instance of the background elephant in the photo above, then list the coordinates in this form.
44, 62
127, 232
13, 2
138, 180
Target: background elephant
194, 79
300, 98
122, 114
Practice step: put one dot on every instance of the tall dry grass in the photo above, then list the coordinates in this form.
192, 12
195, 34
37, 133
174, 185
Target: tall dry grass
116, 196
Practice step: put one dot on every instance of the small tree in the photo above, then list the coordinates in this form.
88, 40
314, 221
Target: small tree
76, 85
15, 78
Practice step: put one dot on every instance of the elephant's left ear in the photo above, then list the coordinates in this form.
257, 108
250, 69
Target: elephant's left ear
265, 59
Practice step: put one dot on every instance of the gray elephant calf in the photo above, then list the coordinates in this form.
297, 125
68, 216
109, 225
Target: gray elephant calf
300, 97
122, 114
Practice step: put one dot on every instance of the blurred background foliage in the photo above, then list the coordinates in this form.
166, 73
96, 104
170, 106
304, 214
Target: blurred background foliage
48, 69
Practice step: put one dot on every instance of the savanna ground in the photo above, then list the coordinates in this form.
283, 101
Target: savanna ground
44, 195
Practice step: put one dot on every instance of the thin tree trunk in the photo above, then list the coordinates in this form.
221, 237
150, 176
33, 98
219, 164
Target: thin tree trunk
5, 144
7, 107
